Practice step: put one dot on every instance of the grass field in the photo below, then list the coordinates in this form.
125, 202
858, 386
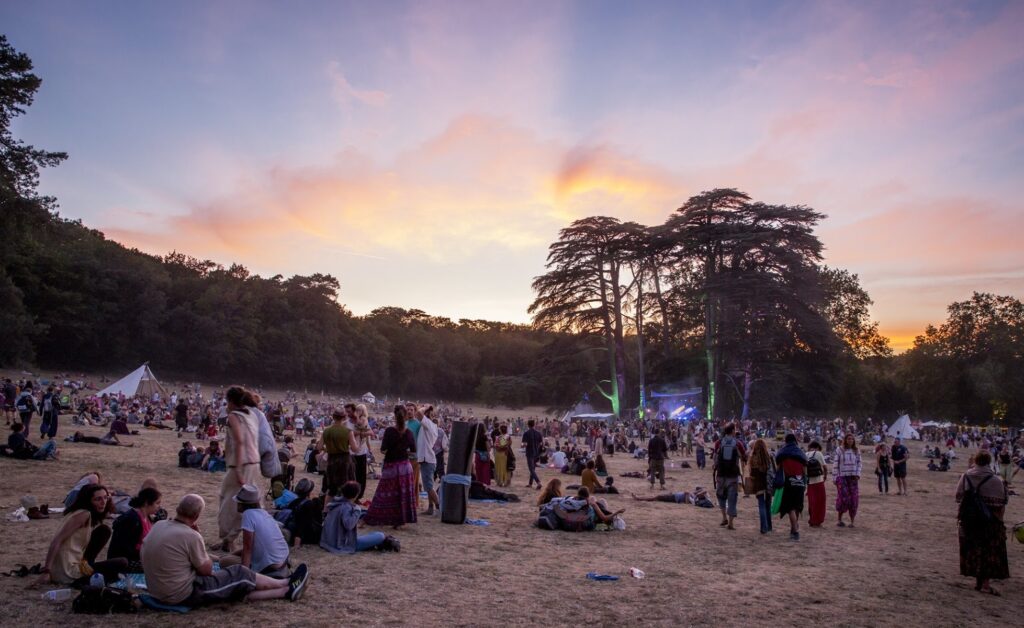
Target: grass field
899, 566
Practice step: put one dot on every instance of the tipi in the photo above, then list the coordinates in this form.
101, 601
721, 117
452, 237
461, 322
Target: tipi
141, 381
903, 429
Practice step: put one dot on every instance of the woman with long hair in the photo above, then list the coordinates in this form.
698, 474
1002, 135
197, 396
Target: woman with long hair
760, 466
482, 458
132, 527
71, 557
242, 456
551, 490
394, 501
846, 468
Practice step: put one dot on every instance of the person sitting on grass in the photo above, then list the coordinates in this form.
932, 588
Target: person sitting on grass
599, 507
478, 490
179, 572
339, 534
131, 528
552, 490
111, 439
71, 557
264, 549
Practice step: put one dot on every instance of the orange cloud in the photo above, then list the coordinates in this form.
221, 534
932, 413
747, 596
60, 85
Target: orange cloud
479, 183
345, 93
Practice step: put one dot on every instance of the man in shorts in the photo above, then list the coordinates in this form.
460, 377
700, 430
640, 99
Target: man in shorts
900, 453
179, 572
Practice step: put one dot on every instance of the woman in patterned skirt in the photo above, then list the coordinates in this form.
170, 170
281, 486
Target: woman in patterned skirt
394, 502
846, 469
982, 539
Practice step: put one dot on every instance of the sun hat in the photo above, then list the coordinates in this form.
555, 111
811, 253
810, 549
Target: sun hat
248, 494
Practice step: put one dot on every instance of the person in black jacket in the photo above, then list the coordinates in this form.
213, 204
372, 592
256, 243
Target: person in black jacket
131, 528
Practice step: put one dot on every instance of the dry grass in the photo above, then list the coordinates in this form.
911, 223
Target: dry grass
898, 566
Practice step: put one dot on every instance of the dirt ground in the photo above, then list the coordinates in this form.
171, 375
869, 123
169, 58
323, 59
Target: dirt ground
898, 566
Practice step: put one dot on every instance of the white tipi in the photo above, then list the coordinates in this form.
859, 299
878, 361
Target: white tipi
902, 429
141, 381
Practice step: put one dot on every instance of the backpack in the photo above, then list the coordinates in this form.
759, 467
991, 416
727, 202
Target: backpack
973, 509
103, 601
814, 468
25, 403
728, 464
270, 462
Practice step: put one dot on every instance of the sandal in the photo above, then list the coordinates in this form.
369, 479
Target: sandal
990, 591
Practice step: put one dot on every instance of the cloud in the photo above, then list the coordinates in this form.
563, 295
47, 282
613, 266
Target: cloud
346, 94
480, 182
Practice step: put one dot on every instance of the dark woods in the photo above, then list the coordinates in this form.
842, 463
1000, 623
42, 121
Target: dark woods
728, 294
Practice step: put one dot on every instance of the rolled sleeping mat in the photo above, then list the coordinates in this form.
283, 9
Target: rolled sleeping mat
460, 447
454, 498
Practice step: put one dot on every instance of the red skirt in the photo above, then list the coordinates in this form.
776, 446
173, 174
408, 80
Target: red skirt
816, 503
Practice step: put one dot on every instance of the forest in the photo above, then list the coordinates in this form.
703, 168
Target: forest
729, 294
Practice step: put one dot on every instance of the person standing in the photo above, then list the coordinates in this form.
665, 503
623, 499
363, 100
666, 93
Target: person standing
413, 415
482, 457
50, 412
982, 497
26, 406
181, 417
337, 441
883, 466
657, 450
394, 502
847, 470
729, 456
360, 448
761, 468
428, 460
899, 465
793, 462
701, 456
532, 442
817, 474
242, 456
502, 447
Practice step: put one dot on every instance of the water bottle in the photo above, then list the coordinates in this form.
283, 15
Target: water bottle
97, 581
58, 595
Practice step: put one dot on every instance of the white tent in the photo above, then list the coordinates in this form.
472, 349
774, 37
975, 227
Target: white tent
369, 398
141, 381
902, 429
594, 416
583, 407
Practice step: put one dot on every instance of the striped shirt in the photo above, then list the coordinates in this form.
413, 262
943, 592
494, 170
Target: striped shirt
847, 462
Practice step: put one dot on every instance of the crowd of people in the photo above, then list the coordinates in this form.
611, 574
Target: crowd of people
784, 465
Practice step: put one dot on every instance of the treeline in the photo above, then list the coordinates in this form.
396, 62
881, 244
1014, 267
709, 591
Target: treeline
728, 294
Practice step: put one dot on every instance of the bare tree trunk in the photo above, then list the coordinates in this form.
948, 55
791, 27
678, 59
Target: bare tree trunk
748, 382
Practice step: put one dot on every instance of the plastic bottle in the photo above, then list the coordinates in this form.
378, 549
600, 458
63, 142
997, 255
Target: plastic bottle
97, 581
636, 573
58, 595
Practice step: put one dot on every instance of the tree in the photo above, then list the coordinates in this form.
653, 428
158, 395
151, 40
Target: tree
584, 291
19, 162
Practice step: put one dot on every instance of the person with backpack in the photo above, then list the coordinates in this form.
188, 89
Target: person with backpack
982, 497
729, 456
25, 404
817, 473
241, 452
657, 451
792, 461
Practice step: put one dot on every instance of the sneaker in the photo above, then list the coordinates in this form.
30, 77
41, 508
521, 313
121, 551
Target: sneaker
297, 582
794, 536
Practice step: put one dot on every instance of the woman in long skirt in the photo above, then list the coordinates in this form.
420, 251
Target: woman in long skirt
817, 475
394, 501
846, 469
482, 459
983, 541
502, 445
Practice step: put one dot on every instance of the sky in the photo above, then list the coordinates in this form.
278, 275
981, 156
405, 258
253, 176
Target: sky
427, 153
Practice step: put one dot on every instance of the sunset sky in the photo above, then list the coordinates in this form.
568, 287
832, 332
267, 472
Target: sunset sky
426, 154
